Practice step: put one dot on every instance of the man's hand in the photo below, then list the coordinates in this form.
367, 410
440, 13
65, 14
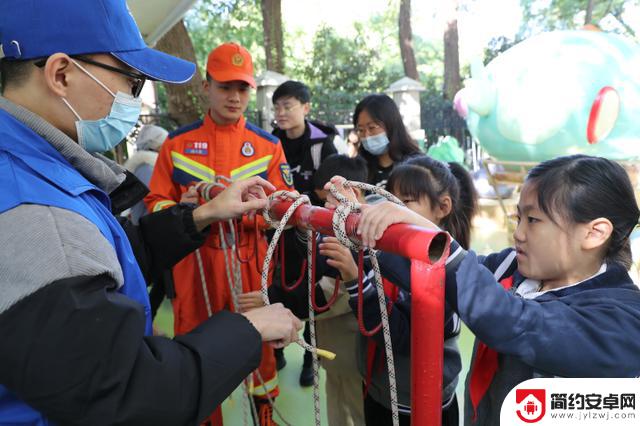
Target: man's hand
340, 258
241, 197
251, 300
191, 196
276, 324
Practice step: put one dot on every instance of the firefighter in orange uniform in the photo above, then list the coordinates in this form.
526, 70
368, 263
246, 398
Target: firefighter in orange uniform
222, 144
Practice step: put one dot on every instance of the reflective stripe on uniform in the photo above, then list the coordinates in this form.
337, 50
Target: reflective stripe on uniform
198, 171
162, 205
251, 169
269, 386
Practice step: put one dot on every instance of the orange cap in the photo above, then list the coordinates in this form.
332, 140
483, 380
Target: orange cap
229, 62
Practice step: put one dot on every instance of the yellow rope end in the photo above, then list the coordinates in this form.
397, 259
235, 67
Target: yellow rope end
326, 354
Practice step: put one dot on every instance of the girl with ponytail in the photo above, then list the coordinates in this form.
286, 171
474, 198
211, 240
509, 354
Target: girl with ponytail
558, 304
443, 194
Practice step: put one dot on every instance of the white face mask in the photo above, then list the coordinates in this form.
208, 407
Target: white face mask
377, 144
104, 134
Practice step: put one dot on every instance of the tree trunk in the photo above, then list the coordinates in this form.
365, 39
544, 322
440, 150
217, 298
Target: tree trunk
272, 28
187, 102
588, 17
405, 36
452, 81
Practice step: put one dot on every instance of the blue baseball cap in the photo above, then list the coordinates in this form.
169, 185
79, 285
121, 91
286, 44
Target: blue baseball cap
32, 29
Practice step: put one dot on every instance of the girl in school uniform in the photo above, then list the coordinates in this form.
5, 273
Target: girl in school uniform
559, 303
444, 194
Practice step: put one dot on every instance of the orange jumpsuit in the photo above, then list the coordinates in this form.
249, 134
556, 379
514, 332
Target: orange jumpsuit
199, 152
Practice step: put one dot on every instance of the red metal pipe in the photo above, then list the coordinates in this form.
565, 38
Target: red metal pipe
428, 250
409, 241
427, 340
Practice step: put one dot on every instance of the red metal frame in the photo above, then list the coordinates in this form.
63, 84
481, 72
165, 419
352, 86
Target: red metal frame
428, 251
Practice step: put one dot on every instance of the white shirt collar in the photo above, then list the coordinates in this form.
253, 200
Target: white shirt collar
528, 289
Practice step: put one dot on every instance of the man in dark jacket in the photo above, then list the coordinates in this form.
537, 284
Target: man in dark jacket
306, 144
74, 313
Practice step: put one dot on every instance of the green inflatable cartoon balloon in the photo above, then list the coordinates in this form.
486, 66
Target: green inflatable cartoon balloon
558, 93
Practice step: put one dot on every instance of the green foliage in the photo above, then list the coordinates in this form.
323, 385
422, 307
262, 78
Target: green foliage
161, 96
430, 59
213, 22
342, 70
570, 14
550, 15
496, 46
339, 69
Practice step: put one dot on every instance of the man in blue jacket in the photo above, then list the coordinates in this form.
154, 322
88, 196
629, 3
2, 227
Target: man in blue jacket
74, 313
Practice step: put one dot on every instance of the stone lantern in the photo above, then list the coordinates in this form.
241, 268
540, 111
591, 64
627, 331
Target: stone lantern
406, 94
267, 83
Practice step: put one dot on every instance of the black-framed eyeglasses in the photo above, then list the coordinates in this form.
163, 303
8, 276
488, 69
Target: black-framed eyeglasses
138, 80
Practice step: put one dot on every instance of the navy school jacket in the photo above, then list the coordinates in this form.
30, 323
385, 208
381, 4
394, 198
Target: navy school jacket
591, 329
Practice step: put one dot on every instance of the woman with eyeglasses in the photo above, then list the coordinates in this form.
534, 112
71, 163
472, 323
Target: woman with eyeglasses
383, 136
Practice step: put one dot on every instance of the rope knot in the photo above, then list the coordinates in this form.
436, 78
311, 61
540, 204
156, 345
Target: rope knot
298, 199
204, 188
348, 205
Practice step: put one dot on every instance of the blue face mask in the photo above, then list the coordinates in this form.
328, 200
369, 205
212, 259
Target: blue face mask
104, 134
377, 144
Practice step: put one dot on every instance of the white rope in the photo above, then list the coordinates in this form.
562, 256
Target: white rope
203, 281
236, 288
235, 285
280, 227
342, 211
312, 331
283, 224
230, 264
237, 272
248, 404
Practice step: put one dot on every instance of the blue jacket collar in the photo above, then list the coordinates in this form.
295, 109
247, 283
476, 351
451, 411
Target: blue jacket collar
48, 146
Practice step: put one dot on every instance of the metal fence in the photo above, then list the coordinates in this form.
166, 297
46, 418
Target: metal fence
335, 117
442, 120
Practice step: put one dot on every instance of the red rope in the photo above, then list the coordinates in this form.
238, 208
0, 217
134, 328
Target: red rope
283, 279
336, 287
363, 329
254, 252
208, 192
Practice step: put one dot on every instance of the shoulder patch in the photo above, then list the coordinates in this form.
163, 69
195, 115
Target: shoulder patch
261, 132
285, 171
185, 129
